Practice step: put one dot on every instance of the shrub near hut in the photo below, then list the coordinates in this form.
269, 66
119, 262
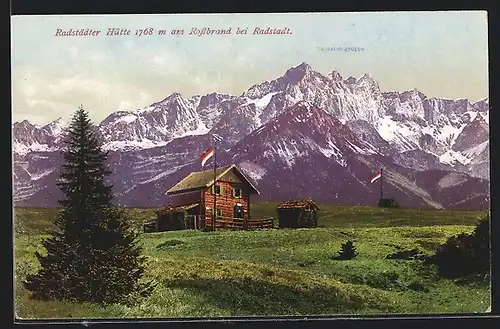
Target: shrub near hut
298, 214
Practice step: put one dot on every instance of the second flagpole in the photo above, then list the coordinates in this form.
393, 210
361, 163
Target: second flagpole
214, 216
381, 184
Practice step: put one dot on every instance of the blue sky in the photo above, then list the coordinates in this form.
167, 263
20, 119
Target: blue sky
442, 54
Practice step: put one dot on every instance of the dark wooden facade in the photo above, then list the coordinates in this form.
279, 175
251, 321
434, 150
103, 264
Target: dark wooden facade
298, 214
192, 202
178, 218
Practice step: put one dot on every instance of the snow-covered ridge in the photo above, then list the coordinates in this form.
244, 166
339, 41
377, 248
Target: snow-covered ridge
406, 120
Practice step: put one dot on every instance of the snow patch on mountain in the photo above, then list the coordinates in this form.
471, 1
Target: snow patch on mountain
287, 152
164, 173
402, 135
389, 129
127, 118
261, 102
485, 116
55, 128
253, 170
40, 175
331, 150
132, 145
23, 149
200, 130
359, 150
452, 158
449, 133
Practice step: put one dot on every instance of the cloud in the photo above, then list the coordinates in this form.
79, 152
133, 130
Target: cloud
84, 84
129, 44
125, 105
73, 51
97, 56
29, 90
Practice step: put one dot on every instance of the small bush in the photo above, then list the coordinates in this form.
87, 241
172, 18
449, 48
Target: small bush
464, 254
347, 251
388, 203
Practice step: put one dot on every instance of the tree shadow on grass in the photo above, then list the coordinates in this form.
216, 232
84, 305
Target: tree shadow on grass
247, 296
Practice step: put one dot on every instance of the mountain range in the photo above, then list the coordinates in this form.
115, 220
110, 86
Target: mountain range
303, 134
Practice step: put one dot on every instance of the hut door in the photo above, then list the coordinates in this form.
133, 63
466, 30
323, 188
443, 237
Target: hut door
239, 212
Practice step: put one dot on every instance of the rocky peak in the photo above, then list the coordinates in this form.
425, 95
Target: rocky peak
25, 124
306, 112
482, 105
366, 79
58, 122
213, 98
297, 73
55, 127
413, 94
350, 80
335, 76
172, 98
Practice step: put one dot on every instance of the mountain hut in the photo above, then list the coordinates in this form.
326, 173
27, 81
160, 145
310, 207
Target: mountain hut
298, 214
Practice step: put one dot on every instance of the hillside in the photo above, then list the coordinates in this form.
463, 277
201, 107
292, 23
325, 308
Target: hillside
280, 272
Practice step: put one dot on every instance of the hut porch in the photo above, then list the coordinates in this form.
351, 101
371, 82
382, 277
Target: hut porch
179, 218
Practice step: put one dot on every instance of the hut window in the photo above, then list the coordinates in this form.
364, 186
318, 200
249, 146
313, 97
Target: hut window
219, 212
237, 193
238, 212
217, 189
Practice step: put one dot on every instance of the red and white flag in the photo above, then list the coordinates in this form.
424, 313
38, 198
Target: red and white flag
377, 176
207, 155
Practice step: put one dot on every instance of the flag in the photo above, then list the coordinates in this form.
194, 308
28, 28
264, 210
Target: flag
207, 155
377, 176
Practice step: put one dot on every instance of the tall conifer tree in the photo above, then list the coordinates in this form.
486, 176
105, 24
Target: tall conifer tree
93, 255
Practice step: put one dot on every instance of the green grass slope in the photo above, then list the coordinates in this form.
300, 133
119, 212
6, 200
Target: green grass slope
278, 272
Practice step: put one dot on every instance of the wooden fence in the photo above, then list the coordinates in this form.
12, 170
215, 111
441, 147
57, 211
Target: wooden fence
239, 223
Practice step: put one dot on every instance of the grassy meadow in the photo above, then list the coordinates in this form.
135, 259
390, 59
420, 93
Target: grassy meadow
277, 272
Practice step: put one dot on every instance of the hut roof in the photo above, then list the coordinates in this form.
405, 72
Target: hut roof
205, 178
171, 208
299, 204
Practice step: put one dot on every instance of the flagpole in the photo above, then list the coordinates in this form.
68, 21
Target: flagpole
215, 185
381, 184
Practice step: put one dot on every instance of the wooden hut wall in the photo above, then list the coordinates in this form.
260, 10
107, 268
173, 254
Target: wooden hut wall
288, 217
226, 202
171, 221
297, 218
179, 220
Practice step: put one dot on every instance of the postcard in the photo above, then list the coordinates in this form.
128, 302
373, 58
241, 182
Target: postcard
250, 165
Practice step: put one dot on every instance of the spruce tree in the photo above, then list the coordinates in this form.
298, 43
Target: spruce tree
92, 255
347, 251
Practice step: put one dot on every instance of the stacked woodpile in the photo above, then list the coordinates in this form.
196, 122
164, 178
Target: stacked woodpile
298, 214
